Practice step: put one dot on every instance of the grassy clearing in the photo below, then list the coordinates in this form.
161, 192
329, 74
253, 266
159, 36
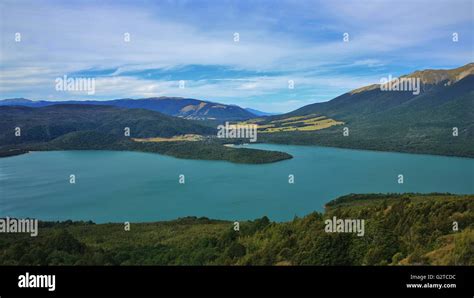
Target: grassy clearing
181, 138
298, 123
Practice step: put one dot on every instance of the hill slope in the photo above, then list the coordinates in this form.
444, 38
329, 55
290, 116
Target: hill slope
47, 123
397, 120
437, 87
399, 230
93, 127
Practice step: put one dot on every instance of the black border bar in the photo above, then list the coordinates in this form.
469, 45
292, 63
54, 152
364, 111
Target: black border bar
289, 281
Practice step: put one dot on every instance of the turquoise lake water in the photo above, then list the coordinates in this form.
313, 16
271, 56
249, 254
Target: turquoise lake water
138, 187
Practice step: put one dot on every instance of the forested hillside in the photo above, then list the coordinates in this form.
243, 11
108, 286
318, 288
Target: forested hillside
91, 127
400, 229
438, 120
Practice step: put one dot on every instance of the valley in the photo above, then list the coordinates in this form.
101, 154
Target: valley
332, 137
137, 186
437, 120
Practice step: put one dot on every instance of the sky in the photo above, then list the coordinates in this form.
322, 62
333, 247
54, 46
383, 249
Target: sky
281, 44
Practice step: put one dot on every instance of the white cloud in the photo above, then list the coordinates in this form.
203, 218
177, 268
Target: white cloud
60, 38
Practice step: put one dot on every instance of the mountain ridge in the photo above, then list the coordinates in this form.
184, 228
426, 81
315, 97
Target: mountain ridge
95, 127
396, 120
188, 108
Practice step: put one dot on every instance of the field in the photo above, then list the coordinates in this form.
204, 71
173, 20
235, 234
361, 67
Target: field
179, 138
297, 123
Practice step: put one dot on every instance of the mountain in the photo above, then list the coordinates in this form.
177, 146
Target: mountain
187, 108
260, 113
16, 101
395, 120
94, 127
437, 87
50, 122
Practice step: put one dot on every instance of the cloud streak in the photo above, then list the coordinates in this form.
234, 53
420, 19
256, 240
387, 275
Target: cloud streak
300, 41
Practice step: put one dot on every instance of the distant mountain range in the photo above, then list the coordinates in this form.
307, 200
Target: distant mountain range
396, 120
438, 119
187, 108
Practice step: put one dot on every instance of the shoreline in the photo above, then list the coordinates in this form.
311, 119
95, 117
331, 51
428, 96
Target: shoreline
13, 152
359, 149
340, 201
284, 156
393, 220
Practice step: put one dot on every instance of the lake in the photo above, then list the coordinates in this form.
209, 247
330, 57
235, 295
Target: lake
131, 186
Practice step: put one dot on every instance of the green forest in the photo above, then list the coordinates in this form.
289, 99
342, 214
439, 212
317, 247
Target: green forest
400, 229
90, 127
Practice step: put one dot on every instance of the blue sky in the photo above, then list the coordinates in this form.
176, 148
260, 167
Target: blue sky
193, 41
